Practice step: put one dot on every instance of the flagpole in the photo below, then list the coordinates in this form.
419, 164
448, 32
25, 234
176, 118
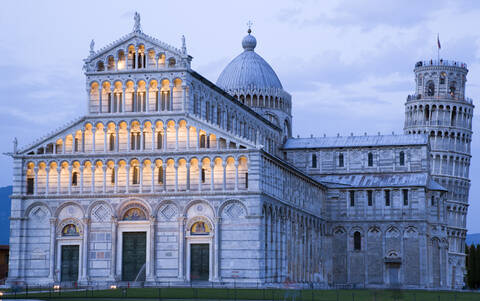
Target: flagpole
438, 47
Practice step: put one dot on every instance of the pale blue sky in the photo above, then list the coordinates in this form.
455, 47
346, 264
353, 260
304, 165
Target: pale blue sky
347, 64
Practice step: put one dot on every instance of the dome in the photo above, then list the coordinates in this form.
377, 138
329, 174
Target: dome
248, 70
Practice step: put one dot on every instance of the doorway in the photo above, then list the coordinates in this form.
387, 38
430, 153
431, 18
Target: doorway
134, 255
199, 262
69, 266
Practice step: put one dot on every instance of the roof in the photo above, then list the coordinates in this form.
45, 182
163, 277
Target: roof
380, 180
248, 70
356, 141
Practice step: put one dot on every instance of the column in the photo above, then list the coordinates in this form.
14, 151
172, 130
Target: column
212, 165
47, 185
176, 136
216, 263
105, 133
200, 175
142, 138
123, 100
236, 175
152, 128
147, 100
35, 184
175, 166
181, 245
188, 137
81, 178
51, 272
93, 139
152, 166
104, 170
70, 175
164, 137
113, 257
170, 100
150, 277
115, 188
83, 141
188, 176
224, 175
141, 177
92, 190
86, 223
100, 90
129, 145
185, 102
59, 169
198, 138
127, 167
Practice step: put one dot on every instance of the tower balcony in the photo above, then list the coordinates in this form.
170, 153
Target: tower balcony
446, 97
440, 62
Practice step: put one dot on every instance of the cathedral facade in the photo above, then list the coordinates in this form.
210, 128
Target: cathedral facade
172, 178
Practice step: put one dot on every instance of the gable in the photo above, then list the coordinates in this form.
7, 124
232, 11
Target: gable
115, 56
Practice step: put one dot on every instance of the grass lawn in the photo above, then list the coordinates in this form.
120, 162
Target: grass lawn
252, 294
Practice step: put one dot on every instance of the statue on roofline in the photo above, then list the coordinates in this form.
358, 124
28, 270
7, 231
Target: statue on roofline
136, 27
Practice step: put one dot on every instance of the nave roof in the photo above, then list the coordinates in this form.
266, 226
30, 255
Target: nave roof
355, 141
380, 181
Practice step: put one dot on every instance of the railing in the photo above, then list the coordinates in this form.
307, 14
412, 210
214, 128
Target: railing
440, 62
413, 97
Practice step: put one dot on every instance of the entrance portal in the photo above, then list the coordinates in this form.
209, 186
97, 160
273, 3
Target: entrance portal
199, 262
134, 256
69, 267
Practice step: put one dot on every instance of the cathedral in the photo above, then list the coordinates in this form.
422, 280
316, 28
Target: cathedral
171, 178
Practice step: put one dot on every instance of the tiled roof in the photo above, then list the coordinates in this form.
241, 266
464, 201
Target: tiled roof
380, 180
356, 141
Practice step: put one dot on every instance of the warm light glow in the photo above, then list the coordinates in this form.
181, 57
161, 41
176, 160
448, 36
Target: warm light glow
1, 293
56, 287
113, 287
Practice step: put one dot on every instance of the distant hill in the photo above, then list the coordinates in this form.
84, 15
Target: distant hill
5, 203
473, 238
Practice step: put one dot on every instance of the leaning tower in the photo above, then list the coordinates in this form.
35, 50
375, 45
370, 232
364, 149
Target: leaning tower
440, 109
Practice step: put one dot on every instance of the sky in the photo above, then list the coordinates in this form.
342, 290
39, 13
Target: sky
347, 64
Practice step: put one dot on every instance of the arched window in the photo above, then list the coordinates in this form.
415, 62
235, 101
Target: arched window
340, 160
30, 185
433, 200
160, 175
442, 78
159, 140
357, 241
135, 176
452, 89
203, 141
402, 158
431, 89
171, 62
74, 178
370, 159
113, 175
314, 160
203, 175
111, 143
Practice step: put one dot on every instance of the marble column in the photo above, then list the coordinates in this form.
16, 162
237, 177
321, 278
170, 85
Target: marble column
84, 276
216, 263
150, 277
51, 272
113, 257
181, 247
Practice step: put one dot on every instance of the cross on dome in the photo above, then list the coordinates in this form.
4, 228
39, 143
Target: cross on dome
249, 24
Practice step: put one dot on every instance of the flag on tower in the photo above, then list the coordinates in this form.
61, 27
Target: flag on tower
438, 42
